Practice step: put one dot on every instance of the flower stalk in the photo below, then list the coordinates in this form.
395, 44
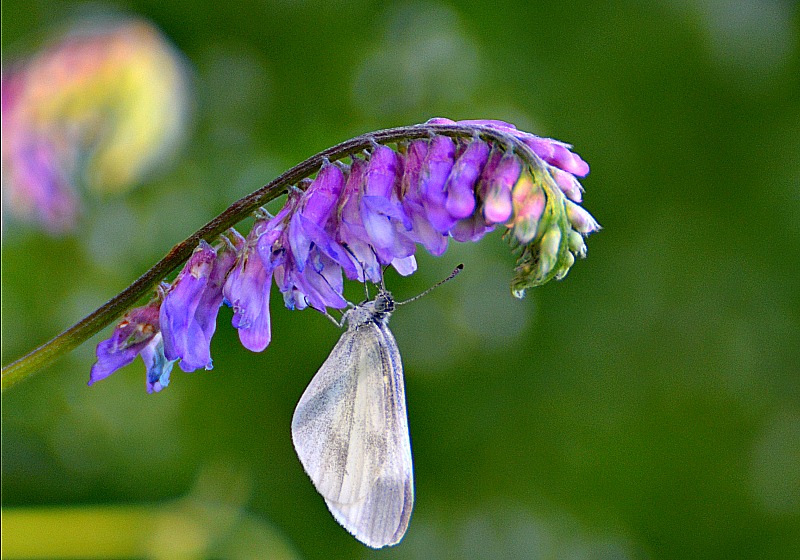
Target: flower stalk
542, 220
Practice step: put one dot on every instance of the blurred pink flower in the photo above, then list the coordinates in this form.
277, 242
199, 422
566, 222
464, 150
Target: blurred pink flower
96, 108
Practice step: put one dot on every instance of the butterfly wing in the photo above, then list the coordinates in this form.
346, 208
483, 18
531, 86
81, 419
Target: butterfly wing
350, 431
382, 517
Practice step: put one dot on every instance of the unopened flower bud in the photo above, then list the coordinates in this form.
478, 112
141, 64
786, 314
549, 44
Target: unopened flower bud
576, 244
569, 260
529, 202
568, 184
548, 251
580, 219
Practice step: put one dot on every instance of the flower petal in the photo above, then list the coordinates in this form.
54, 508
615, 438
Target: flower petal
438, 163
247, 289
497, 190
133, 333
110, 360
158, 366
463, 178
177, 318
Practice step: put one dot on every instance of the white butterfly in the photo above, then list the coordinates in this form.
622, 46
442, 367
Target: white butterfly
350, 429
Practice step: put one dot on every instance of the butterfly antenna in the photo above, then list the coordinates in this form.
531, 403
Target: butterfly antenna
453, 274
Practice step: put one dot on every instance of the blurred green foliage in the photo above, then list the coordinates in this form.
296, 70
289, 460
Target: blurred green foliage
648, 406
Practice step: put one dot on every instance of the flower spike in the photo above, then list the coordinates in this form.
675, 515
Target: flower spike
444, 179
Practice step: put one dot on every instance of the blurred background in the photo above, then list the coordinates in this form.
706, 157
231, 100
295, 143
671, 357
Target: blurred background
647, 406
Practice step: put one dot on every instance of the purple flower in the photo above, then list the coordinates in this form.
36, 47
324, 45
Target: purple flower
319, 281
383, 217
422, 231
38, 188
350, 231
496, 187
435, 171
94, 110
190, 308
311, 228
247, 290
319, 285
137, 333
463, 177
388, 222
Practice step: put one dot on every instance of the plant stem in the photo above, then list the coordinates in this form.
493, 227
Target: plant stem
114, 308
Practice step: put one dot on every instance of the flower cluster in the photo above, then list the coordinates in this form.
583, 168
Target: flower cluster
352, 220
99, 106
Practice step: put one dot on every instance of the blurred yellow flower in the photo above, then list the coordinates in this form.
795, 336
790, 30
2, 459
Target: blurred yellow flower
98, 108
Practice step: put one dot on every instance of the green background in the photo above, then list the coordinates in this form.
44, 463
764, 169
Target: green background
647, 406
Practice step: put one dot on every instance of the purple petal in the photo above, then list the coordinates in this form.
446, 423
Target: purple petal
580, 219
247, 289
497, 191
271, 243
259, 334
324, 289
354, 238
382, 172
158, 366
570, 162
325, 243
422, 231
381, 206
197, 353
435, 171
463, 177
349, 204
322, 195
284, 276
37, 184
131, 335
299, 241
177, 318
405, 266
556, 153
381, 216
110, 359
388, 242
350, 231
440, 120
470, 229
503, 125
568, 184
412, 167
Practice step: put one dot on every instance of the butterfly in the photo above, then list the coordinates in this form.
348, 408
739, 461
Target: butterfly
350, 427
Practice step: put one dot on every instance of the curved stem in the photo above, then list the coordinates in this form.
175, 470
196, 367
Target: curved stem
97, 320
